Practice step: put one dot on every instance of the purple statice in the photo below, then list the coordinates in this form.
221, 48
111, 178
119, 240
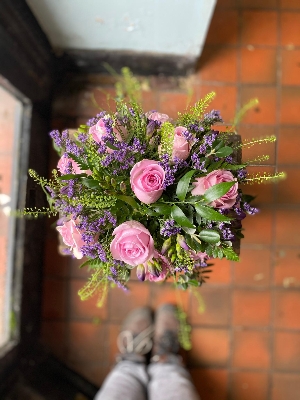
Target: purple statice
229, 159
171, 167
94, 250
119, 283
210, 138
226, 231
56, 136
66, 209
212, 117
82, 137
240, 214
94, 120
152, 126
51, 191
132, 112
241, 174
182, 268
198, 163
250, 210
189, 137
97, 225
71, 147
71, 188
124, 155
169, 228
202, 148
196, 128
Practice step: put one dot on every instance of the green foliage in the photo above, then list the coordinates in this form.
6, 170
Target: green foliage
167, 138
184, 330
195, 112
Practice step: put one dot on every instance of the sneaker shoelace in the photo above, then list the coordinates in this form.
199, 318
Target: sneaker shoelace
139, 344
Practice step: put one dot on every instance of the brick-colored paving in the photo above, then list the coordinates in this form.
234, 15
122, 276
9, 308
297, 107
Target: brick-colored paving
246, 340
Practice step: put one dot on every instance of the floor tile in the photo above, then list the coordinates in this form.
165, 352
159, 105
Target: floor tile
54, 298
86, 309
285, 386
94, 372
288, 145
290, 96
221, 272
251, 308
263, 192
213, 308
210, 383
55, 264
258, 65
87, 342
258, 228
287, 227
225, 100
290, 67
223, 28
287, 267
267, 23
121, 303
218, 64
248, 385
257, 3
251, 349
54, 336
254, 267
289, 25
287, 191
250, 132
171, 103
265, 112
286, 311
210, 347
289, 4
166, 293
287, 351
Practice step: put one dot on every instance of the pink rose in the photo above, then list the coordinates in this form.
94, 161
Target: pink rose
71, 236
214, 177
181, 147
63, 165
132, 243
146, 179
158, 117
98, 130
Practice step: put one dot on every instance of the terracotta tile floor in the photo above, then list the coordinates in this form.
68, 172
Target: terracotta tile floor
246, 327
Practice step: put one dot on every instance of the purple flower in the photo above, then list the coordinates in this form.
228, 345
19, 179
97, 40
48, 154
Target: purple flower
169, 228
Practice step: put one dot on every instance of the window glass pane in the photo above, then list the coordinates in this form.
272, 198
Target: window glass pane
10, 126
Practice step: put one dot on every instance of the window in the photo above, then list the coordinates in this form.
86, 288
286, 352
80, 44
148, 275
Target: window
14, 111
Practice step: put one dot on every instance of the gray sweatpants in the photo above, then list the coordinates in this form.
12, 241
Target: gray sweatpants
134, 381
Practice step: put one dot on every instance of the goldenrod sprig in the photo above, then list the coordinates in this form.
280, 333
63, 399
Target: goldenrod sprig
265, 177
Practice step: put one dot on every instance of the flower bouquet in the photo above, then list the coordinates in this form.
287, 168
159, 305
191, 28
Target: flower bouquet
137, 192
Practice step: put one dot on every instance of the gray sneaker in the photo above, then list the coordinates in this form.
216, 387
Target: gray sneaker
166, 341
135, 339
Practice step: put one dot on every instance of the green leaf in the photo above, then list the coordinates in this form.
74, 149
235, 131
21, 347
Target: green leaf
81, 164
233, 167
230, 254
68, 177
128, 199
209, 213
193, 244
224, 151
179, 216
217, 191
111, 146
209, 236
215, 165
162, 208
183, 185
220, 253
90, 183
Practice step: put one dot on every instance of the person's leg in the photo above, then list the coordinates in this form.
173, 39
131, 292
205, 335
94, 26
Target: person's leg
169, 380
128, 380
